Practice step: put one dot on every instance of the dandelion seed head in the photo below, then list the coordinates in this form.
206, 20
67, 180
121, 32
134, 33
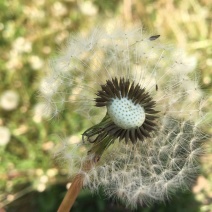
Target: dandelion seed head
138, 91
9, 100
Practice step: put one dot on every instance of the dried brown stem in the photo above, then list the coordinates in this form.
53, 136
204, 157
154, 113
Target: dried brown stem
71, 194
76, 186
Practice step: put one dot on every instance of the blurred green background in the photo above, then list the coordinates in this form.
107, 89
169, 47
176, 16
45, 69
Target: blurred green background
31, 32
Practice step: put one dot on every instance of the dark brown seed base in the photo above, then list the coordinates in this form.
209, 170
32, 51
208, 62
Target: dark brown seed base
107, 128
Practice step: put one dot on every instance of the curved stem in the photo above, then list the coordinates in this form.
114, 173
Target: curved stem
71, 194
76, 186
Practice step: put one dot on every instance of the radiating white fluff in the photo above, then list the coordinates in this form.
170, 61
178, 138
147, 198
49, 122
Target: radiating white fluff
159, 166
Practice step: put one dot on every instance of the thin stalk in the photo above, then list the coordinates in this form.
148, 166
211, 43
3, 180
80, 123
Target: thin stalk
76, 186
71, 194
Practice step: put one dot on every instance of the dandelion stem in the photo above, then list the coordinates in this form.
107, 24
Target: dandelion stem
71, 194
76, 186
